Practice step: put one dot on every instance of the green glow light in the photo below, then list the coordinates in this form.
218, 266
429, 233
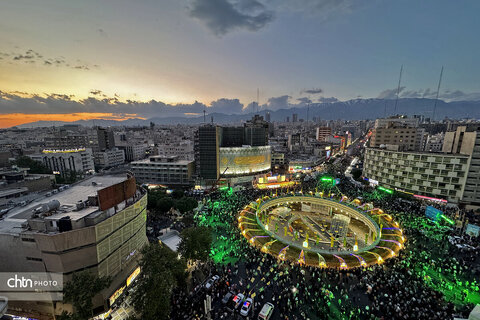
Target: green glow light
390, 191
447, 219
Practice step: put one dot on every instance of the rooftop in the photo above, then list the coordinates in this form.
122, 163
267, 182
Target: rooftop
68, 199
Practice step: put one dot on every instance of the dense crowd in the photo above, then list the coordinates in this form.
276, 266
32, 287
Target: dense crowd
434, 277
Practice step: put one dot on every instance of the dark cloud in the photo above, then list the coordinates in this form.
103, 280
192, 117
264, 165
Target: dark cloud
276, 103
102, 32
31, 56
227, 106
319, 8
81, 67
95, 92
99, 103
327, 100
313, 91
304, 100
223, 16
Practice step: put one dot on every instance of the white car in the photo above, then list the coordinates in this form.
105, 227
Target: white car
266, 311
247, 305
237, 300
211, 282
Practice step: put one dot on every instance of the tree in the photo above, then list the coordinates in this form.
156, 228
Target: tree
356, 174
35, 166
79, 292
186, 204
162, 271
178, 193
196, 243
165, 204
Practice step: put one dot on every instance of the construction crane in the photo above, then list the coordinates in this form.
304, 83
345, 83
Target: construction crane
215, 184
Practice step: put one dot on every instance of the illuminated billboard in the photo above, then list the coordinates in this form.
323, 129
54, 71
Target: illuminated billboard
245, 160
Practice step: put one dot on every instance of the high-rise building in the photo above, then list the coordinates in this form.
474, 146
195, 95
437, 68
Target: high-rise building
322, 133
398, 134
207, 144
295, 117
267, 116
232, 151
466, 140
256, 132
106, 140
438, 175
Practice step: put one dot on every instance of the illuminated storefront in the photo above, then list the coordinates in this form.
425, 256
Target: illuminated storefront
245, 160
273, 182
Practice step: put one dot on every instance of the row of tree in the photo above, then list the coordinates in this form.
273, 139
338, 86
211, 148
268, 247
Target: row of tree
159, 202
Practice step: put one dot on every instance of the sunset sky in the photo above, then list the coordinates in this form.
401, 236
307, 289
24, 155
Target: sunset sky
116, 59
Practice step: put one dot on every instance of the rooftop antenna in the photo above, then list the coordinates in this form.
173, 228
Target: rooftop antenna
438, 91
204, 117
385, 110
212, 119
398, 89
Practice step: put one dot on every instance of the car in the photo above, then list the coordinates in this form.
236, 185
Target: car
266, 312
227, 297
237, 300
247, 305
211, 282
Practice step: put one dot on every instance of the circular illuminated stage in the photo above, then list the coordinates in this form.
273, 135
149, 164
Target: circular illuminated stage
325, 232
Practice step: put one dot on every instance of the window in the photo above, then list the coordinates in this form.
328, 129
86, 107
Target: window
34, 259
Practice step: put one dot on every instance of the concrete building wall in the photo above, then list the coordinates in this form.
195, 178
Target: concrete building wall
428, 174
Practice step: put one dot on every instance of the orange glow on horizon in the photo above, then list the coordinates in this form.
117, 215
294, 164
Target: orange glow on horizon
15, 119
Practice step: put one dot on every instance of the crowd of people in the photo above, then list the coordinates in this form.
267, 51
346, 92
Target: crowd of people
434, 277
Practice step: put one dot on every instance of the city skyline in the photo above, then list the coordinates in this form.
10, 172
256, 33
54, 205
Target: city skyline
218, 52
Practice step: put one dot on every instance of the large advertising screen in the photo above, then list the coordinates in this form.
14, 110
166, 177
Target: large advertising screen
472, 230
433, 213
245, 160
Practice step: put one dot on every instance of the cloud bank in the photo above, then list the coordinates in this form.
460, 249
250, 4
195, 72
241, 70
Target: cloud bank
223, 16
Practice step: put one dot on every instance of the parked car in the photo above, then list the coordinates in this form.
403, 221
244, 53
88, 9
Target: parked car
211, 282
266, 312
237, 300
227, 297
247, 305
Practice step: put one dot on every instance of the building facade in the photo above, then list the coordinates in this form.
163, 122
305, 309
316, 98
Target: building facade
322, 133
466, 141
98, 226
406, 138
109, 158
63, 161
427, 174
245, 160
164, 170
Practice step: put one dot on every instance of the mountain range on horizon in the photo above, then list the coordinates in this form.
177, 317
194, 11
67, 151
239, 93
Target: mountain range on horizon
357, 109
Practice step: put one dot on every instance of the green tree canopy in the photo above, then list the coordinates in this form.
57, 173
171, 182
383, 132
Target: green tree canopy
196, 243
35, 166
186, 204
162, 270
79, 292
